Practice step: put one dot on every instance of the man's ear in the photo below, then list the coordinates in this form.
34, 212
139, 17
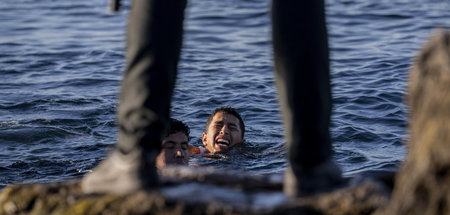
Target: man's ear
243, 140
204, 138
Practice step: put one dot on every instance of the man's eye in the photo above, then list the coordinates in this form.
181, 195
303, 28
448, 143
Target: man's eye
184, 146
168, 146
234, 128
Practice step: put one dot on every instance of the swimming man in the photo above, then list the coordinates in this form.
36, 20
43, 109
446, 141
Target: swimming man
174, 145
224, 129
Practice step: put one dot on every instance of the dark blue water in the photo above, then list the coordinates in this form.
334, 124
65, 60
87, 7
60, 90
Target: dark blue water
61, 64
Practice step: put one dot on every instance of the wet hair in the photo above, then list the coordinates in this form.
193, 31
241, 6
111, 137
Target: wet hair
228, 110
177, 126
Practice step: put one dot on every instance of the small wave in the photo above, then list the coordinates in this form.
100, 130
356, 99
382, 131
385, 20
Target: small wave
10, 123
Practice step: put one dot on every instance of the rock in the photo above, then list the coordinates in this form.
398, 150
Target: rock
423, 184
363, 198
188, 191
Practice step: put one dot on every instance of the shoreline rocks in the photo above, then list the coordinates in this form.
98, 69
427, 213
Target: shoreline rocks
187, 191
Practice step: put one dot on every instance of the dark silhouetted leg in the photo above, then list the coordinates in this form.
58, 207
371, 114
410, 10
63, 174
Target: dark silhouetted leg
302, 75
154, 38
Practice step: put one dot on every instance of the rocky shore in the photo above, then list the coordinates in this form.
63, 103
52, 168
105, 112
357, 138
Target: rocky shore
422, 185
194, 191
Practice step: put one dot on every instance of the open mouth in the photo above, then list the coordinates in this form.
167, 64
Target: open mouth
223, 142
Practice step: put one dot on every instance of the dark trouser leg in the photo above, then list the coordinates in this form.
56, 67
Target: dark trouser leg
153, 46
302, 74
154, 39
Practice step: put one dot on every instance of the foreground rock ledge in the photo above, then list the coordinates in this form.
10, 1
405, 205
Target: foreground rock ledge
189, 191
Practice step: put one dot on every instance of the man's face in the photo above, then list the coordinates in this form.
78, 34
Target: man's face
174, 150
223, 133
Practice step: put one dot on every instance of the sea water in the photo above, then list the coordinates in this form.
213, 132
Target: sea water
61, 63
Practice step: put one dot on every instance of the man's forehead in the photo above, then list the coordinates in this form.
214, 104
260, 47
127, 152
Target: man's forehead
176, 137
223, 116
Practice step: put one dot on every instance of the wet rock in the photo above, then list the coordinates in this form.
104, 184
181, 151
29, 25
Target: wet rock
188, 191
423, 184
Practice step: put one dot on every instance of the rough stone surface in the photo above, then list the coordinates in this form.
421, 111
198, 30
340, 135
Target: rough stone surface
185, 191
423, 184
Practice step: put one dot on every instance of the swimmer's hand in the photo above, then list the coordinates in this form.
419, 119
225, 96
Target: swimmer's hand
196, 150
